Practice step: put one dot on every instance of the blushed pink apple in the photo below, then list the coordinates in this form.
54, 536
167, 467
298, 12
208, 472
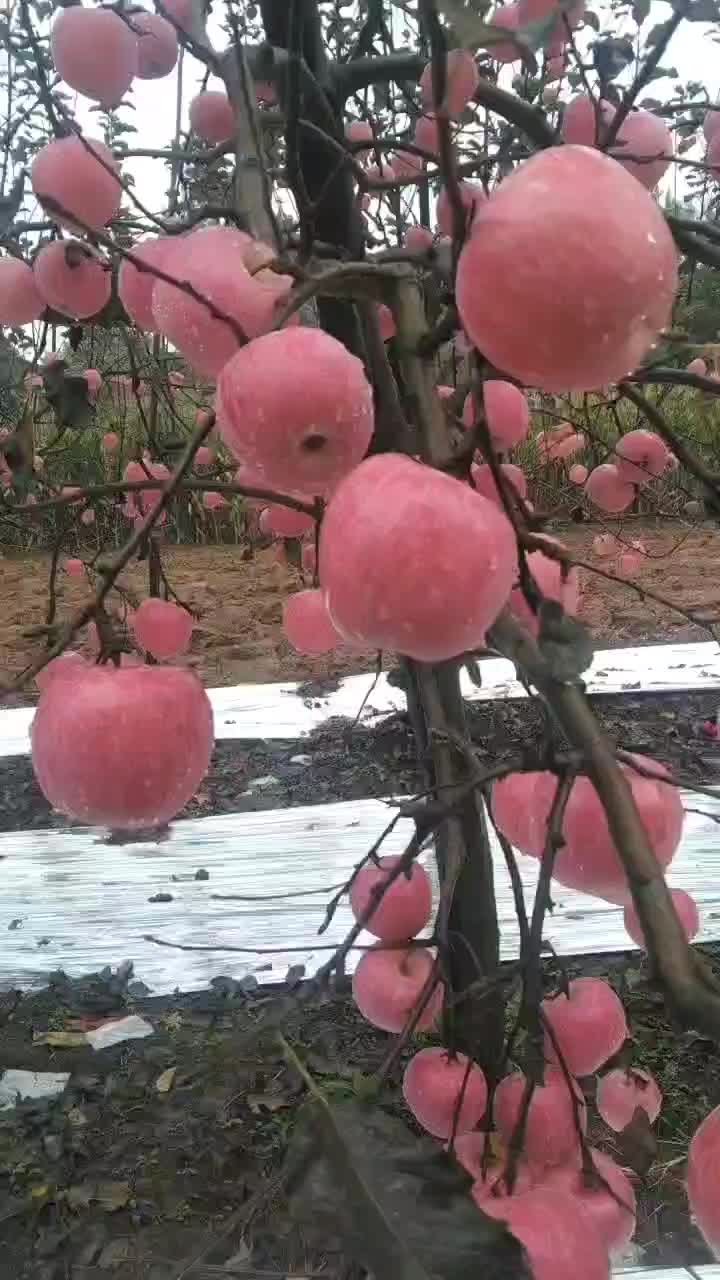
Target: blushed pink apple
541, 10
218, 262
564, 448
557, 1234
425, 134
211, 117
95, 52
418, 239
214, 501
520, 806
66, 666
387, 984
484, 480
551, 1135
543, 222
122, 748
508, 19
711, 124
307, 623
621, 1093
72, 279
20, 299
81, 175
135, 287
405, 907
588, 1023
406, 164
443, 602
648, 144
283, 522
589, 860
687, 912
360, 131
703, 1187
577, 474
445, 1094
609, 1203
606, 488
553, 582
162, 628
94, 381
461, 81
472, 197
157, 45
507, 413
296, 406
585, 120
641, 456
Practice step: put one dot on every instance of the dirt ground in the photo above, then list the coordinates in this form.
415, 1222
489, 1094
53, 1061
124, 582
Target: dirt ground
164, 1157
173, 1156
239, 636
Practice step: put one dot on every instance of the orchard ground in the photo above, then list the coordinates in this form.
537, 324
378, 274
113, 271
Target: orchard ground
239, 637
116, 1175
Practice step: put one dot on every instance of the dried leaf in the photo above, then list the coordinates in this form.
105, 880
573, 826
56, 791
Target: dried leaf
360, 1182
61, 1039
69, 396
166, 1080
259, 1102
637, 1143
110, 1196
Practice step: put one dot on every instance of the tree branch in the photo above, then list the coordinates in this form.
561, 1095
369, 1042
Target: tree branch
692, 991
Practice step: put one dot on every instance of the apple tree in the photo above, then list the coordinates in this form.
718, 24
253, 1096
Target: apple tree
401, 240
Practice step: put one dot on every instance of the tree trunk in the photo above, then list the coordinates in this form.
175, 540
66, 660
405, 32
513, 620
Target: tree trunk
468, 917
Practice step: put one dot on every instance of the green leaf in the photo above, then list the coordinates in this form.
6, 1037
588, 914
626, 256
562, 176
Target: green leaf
640, 11
565, 643
10, 204
468, 22
465, 16
359, 1182
611, 56
364, 1087
658, 33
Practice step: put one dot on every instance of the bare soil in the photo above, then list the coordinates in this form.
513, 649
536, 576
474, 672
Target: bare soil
116, 1177
239, 636
164, 1158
